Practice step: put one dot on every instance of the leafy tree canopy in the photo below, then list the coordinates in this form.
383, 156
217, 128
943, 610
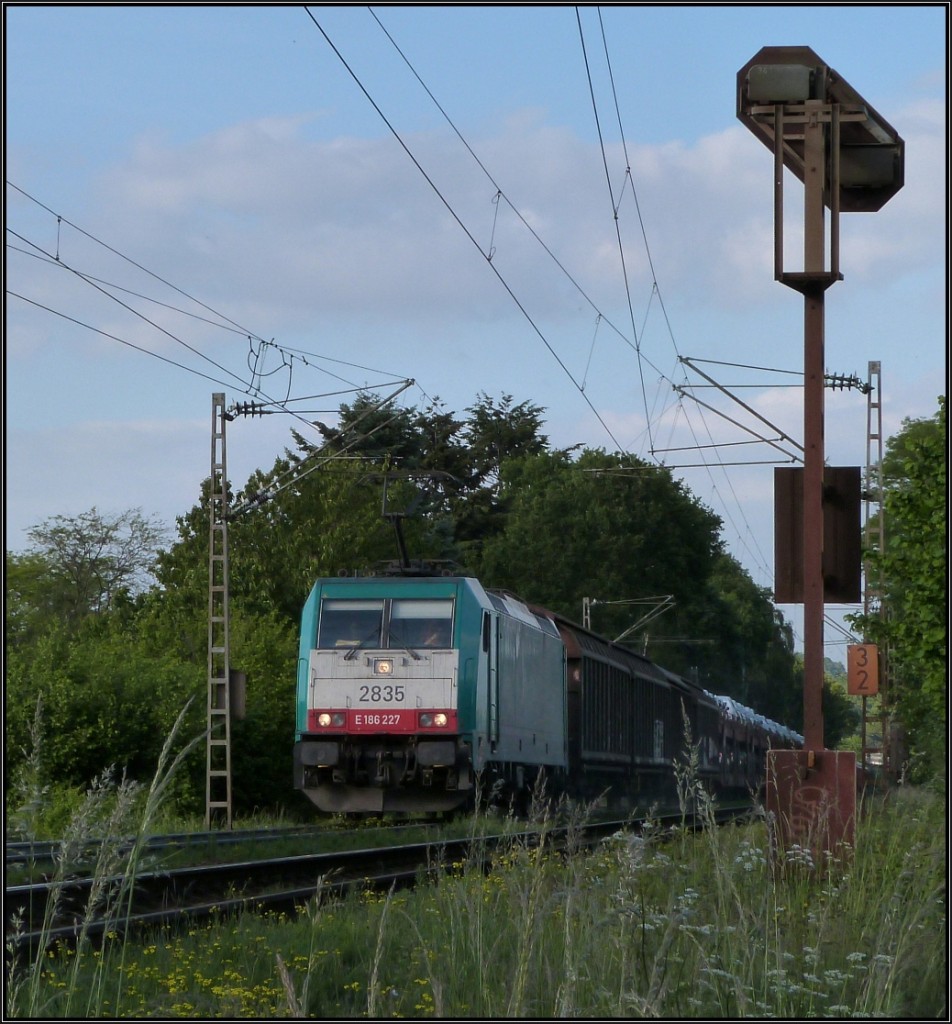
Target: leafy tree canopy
79, 566
914, 566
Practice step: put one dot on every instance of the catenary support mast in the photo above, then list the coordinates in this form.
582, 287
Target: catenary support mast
874, 542
218, 741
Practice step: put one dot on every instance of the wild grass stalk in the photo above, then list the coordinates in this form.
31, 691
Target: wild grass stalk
168, 765
29, 790
108, 882
103, 822
374, 981
530, 902
295, 1007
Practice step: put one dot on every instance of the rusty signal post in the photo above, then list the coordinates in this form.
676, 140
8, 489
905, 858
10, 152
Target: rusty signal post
849, 159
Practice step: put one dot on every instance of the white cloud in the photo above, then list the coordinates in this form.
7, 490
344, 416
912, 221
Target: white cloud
286, 232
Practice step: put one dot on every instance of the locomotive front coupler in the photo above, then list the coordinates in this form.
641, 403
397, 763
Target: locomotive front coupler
382, 775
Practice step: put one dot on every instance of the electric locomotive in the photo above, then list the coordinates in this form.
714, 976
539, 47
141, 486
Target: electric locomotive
409, 687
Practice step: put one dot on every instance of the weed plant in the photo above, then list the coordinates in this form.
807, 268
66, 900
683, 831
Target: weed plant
110, 812
667, 923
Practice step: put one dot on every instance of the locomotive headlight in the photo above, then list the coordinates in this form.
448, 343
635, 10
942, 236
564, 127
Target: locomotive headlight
426, 720
383, 666
439, 719
325, 719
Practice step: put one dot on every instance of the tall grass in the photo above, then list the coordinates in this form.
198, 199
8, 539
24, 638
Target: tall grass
111, 812
664, 923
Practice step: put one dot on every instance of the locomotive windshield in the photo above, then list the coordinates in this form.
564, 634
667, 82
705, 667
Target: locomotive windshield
381, 624
351, 624
421, 623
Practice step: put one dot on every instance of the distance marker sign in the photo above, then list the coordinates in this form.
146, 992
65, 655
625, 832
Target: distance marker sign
862, 670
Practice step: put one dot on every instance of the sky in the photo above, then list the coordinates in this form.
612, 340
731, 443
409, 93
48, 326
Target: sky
292, 204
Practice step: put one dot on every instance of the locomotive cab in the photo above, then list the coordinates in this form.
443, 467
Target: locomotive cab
410, 686
380, 704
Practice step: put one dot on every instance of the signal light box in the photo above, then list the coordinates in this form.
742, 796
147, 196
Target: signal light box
842, 535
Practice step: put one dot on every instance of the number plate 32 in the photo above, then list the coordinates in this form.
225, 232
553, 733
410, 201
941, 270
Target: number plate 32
862, 670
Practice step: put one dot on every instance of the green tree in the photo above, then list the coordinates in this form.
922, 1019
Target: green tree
86, 561
835, 670
840, 714
494, 433
109, 700
604, 527
114, 662
318, 510
914, 566
748, 653
32, 600
405, 443
620, 531
264, 647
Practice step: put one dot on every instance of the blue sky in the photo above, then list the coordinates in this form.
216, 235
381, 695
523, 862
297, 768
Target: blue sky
228, 152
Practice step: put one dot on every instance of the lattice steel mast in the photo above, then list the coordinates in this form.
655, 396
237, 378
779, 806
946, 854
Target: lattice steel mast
218, 743
874, 544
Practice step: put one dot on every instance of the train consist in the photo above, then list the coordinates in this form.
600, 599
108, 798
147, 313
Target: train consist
419, 693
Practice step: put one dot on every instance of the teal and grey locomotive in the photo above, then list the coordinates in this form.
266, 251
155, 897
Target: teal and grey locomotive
415, 692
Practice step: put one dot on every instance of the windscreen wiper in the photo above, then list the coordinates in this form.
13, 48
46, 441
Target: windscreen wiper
359, 646
413, 654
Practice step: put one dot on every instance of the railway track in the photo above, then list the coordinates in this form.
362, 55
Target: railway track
36, 851
45, 913
40, 852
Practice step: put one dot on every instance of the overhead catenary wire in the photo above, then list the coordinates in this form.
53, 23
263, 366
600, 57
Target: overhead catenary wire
114, 337
500, 194
294, 474
655, 293
230, 327
235, 377
519, 305
621, 248
224, 322
127, 307
123, 256
99, 285
615, 207
55, 261
642, 359
177, 365
637, 334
